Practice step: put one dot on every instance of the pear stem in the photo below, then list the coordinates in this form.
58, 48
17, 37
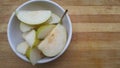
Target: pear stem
63, 16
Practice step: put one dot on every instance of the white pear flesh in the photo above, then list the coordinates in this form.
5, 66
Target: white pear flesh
30, 37
44, 30
34, 55
25, 27
33, 17
54, 19
22, 47
54, 43
24, 34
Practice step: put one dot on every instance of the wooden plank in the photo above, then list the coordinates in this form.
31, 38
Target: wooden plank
3, 28
11, 2
95, 45
96, 36
88, 2
96, 27
92, 10
95, 18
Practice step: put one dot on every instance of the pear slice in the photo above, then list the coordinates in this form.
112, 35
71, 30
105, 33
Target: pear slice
44, 30
33, 17
24, 34
25, 27
22, 47
31, 38
33, 54
54, 19
54, 43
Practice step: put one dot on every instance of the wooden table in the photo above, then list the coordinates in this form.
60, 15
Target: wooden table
96, 35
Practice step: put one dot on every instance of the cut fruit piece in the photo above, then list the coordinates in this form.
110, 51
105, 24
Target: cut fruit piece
33, 54
25, 27
24, 34
31, 38
37, 41
54, 43
33, 17
54, 19
44, 30
22, 47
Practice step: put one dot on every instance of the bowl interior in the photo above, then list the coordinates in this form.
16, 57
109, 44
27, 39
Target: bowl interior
15, 35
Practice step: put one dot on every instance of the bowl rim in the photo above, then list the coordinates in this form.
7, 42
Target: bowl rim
68, 40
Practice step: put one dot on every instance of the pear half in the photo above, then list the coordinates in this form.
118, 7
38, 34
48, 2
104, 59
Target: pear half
33, 17
54, 43
31, 38
54, 19
44, 30
33, 54
22, 47
25, 27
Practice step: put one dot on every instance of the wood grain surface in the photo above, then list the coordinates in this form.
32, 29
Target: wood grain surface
96, 35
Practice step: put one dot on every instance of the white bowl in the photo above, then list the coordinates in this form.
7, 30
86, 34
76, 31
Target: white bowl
14, 33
